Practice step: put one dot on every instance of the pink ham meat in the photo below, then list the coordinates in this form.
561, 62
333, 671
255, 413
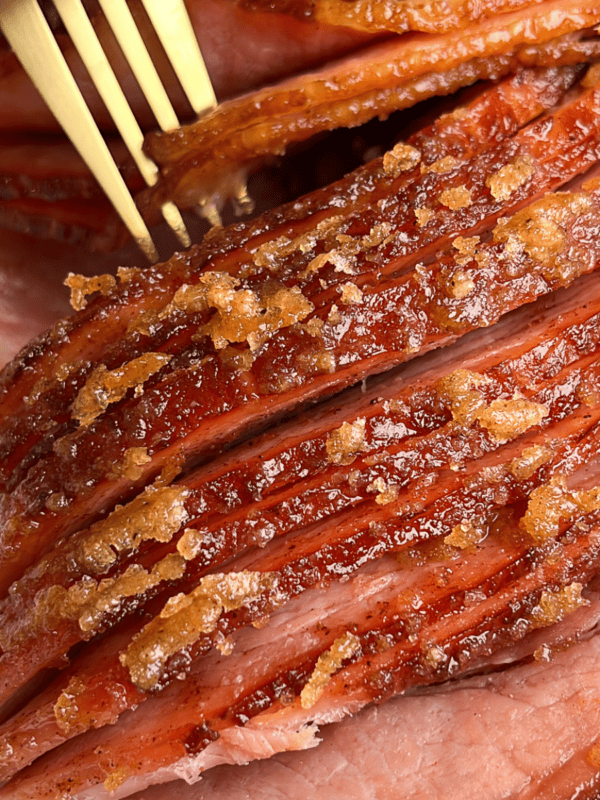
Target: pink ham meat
526, 732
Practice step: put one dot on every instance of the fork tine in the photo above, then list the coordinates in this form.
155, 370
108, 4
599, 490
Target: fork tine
30, 37
172, 24
84, 38
131, 43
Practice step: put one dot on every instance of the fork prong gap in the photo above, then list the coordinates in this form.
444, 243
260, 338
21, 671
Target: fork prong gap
124, 28
174, 29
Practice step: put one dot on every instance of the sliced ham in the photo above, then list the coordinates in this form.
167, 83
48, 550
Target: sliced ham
206, 600
526, 732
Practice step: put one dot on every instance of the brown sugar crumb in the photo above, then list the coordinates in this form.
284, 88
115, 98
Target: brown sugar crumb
334, 317
350, 294
133, 582
88, 601
459, 392
510, 177
386, 493
242, 315
464, 535
556, 605
400, 158
343, 256
466, 246
317, 263
190, 543
327, 664
81, 286
460, 284
314, 327
434, 656
126, 274
320, 362
442, 165
543, 654
185, 618
104, 387
344, 444
116, 778
423, 215
157, 513
271, 253
540, 231
529, 461
225, 646
588, 393
133, 463
380, 234
507, 419
66, 710
455, 198
553, 502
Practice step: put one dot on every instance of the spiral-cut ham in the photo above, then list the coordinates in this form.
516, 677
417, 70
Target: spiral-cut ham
229, 350
396, 455
211, 600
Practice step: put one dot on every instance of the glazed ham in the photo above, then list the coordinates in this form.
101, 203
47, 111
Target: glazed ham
202, 598
207, 161
242, 364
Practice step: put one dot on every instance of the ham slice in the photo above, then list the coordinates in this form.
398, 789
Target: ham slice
397, 15
207, 160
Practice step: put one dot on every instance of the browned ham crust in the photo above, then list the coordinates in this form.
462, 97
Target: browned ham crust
431, 16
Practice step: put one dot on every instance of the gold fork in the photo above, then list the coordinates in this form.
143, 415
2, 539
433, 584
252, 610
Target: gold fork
26, 30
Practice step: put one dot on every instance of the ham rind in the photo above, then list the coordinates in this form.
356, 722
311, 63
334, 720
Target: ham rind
263, 502
400, 16
207, 160
361, 337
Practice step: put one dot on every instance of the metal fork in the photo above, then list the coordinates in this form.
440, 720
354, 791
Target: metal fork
25, 28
